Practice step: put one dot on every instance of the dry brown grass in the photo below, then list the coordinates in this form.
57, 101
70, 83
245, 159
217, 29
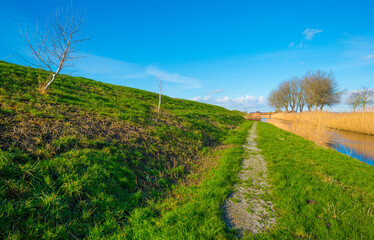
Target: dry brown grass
42, 90
361, 122
253, 116
44, 137
318, 134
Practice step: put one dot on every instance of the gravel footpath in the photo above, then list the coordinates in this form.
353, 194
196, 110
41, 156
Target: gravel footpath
248, 208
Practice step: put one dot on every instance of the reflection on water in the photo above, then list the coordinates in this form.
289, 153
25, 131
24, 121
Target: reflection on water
359, 146
356, 145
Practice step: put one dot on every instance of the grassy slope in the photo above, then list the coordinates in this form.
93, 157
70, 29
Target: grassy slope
341, 187
78, 161
194, 212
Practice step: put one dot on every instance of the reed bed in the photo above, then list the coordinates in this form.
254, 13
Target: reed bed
362, 122
253, 116
315, 133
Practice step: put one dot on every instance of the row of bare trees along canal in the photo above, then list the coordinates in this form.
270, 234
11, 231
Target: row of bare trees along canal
316, 89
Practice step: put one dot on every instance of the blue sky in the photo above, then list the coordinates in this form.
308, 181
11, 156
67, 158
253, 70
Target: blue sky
229, 53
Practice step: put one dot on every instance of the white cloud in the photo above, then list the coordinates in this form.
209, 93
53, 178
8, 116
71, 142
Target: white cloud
371, 56
355, 54
247, 103
134, 76
120, 72
291, 44
188, 82
108, 69
310, 33
215, 91
262, 100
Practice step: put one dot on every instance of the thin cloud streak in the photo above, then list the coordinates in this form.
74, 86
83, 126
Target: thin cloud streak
188, 82
310, 33
215, 91
114, 71
103, 68
371, 56
247, 103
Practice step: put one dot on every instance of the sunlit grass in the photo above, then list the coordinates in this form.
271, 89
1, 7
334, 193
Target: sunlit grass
77, 161
318, 192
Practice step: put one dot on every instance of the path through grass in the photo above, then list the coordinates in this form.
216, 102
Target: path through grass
318, 192
193, 212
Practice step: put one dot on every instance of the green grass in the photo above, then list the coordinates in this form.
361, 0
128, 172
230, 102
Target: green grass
84, 159
318, 192
94, 160
194, 212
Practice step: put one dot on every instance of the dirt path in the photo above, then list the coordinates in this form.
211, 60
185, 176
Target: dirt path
248, 208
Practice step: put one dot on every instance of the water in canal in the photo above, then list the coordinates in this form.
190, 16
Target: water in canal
356, 145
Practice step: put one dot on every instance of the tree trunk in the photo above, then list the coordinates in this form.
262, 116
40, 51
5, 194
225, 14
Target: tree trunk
159, 102
50, 82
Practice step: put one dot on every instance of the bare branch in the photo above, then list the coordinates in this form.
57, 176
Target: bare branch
159, 84
53, 48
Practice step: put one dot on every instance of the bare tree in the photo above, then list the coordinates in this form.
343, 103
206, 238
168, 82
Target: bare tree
301, 100
275, 100
57, 46
310, 89
329, 93
316, 89
293, 94
285, 94
366, 96
354, 100
159, 85
321, 89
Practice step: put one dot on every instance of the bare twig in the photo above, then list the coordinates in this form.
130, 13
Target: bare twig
159, 84
57, 46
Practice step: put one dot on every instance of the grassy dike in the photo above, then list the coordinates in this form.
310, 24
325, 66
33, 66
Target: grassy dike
194, 211
318, 192
80, 161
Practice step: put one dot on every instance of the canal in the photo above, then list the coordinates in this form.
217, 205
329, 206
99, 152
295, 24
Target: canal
357, 145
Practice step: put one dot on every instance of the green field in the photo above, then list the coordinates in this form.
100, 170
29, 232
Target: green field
91, 160
78, 161
318, 192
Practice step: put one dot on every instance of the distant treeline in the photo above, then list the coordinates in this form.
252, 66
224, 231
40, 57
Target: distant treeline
314, 90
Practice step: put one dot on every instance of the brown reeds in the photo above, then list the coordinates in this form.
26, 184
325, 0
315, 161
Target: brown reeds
361, 122
253, 116
315, 133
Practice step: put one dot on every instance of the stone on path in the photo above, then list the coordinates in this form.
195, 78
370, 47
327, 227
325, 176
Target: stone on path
248, 209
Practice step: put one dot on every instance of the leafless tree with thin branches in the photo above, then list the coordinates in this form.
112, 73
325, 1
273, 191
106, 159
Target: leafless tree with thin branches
366, 96
159, 85
275, 99
316, 89
321, 89
354, 100
56, 47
